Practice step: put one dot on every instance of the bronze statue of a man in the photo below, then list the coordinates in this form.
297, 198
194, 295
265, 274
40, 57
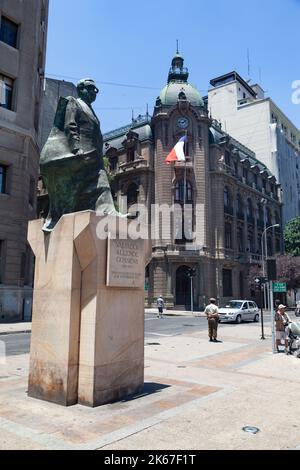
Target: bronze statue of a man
72, 159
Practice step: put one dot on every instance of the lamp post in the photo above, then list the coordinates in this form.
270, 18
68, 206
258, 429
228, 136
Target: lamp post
265, 255
264, 272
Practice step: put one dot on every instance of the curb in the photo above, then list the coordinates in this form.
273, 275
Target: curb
6, 333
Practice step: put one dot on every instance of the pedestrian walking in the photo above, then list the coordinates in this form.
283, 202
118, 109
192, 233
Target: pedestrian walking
212, 313
297, 311
282, 321
160, 305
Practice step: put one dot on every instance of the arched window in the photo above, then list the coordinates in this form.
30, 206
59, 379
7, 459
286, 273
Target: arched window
132, 194
180, 194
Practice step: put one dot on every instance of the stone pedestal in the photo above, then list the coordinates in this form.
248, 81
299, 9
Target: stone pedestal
88, 312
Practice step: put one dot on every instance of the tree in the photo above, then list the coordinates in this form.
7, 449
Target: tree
288, 270
292, 237
255, 271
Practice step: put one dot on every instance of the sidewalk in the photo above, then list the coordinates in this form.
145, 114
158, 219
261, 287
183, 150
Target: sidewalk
12, 328
170, 313
197, 395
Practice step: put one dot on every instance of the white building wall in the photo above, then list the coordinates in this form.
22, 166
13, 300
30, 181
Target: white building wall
251, 124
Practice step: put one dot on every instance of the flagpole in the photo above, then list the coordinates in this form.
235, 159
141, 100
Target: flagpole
184, 190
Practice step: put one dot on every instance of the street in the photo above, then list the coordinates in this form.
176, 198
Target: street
169, 325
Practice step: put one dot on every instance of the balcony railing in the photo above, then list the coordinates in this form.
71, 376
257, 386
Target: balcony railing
224, 168
136, 164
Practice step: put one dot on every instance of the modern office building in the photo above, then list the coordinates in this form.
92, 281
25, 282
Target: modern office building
258, 123
23, 31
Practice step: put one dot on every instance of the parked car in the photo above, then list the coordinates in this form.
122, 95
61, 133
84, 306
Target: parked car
238, 311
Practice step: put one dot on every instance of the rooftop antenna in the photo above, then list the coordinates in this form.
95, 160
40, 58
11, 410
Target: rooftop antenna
147, 110
177, 46
132, 116
248, 60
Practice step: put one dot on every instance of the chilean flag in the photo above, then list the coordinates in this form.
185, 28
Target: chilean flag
177, 153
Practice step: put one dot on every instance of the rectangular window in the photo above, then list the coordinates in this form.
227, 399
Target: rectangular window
227, 283
227, 158
228, 235
3, 177
6, 92
130, 155
9, 32
1, 261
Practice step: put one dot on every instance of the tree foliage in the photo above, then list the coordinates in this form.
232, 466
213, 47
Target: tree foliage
292, 237
288, 270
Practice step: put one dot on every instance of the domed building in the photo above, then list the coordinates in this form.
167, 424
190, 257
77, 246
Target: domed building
178, 86
207, 213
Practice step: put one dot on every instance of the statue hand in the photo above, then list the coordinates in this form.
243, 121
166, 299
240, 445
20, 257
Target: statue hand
78, 152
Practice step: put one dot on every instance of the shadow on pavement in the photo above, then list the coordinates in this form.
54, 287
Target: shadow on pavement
149, 389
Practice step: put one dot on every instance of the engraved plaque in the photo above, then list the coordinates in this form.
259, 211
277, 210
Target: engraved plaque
125, 263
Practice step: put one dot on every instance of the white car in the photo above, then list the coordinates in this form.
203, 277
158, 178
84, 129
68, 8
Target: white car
238, 311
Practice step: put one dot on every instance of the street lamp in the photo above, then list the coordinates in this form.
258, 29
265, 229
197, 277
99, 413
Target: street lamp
266, 246
270, 286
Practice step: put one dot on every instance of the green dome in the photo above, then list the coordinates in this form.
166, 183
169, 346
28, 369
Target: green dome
169, 94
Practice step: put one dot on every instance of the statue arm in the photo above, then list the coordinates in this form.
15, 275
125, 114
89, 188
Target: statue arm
71, 126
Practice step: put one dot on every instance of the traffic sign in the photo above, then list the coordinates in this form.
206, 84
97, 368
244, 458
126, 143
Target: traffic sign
279, 287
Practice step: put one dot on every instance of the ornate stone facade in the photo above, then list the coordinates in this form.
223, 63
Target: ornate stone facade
232, 197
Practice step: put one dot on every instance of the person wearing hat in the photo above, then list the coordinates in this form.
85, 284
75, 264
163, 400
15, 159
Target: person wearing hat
160, 305
282, 321
212, 313
72, 165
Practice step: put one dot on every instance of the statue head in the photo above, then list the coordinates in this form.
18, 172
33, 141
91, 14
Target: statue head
87, 90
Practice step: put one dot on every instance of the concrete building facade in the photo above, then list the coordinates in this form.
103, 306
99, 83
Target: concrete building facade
23, 31
52, 90
230, 194
258, 123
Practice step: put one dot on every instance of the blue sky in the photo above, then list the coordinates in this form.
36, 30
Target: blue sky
132, 43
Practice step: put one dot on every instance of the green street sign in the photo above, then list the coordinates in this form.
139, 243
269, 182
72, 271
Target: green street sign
279, 287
